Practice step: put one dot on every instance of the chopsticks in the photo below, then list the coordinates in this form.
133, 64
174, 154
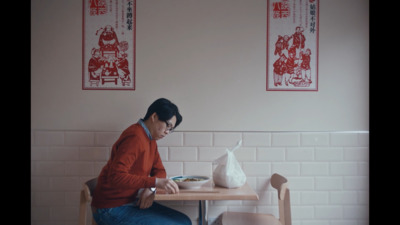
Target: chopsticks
197, 191
181, 191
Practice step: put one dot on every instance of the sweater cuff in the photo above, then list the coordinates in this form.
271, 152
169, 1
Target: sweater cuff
151, 182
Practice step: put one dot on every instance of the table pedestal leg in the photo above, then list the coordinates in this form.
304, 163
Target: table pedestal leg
203, 212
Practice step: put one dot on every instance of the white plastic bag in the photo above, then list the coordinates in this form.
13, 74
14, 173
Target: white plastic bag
228, 172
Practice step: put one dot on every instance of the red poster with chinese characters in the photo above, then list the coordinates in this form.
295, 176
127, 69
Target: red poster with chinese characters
108, 44
292, 45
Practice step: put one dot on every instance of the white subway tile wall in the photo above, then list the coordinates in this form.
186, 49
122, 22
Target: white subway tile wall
328, 172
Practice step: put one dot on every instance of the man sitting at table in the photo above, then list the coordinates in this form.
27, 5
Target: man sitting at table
126, 185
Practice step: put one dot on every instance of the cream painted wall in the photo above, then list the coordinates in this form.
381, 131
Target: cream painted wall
207, 56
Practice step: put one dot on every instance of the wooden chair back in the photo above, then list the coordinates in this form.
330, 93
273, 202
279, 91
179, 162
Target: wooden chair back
86, 199
280, 183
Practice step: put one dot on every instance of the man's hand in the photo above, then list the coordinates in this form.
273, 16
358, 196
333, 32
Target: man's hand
168, 185
146, 199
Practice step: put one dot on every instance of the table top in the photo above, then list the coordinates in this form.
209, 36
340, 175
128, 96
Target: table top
210, 193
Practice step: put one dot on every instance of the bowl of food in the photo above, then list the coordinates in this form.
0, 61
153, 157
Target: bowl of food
190, 182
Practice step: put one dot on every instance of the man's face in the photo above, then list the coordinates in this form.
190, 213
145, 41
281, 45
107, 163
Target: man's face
162, 128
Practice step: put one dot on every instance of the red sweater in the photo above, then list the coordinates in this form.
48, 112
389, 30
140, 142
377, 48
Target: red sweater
134, 163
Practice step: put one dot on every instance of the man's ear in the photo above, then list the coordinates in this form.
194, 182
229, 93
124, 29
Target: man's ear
154, 117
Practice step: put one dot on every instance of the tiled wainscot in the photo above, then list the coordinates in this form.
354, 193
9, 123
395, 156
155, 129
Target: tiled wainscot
328, 172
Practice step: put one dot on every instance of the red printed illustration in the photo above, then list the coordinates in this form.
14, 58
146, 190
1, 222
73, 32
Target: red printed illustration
108, 42
108, 62
292, 46
292, 60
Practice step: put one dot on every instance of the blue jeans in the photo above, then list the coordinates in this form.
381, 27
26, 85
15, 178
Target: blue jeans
131, 214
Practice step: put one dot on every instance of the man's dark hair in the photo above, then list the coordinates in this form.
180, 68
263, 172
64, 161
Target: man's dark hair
165, 110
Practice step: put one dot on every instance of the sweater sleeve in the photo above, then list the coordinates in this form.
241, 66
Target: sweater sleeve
158, 169
130, 154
